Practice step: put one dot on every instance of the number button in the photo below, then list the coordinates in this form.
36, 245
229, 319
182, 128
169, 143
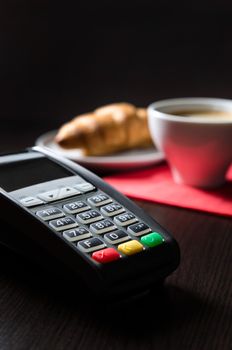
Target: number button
76, 234
125, 219
62, 224
139, 229
91, 244
49, 213
89, 217
102, 226
99, 199
116, 237
76, 207
112, 209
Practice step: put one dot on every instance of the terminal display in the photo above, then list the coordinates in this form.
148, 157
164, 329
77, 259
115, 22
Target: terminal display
14, 176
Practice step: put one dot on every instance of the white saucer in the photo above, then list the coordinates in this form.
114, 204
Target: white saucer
121, 161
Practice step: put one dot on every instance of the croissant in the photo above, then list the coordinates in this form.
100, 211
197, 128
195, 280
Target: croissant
107, 130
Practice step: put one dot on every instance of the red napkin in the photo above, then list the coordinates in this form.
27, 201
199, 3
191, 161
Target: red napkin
156, 185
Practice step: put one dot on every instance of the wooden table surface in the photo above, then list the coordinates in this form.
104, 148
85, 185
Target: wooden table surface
191, 311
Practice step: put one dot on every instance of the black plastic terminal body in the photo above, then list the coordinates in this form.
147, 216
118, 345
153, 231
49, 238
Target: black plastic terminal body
24, 232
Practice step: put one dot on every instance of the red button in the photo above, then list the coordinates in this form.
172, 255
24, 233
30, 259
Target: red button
105, 255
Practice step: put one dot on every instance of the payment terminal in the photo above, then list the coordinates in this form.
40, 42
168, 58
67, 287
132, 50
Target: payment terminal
52, 209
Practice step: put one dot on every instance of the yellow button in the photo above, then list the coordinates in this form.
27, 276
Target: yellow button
131, 247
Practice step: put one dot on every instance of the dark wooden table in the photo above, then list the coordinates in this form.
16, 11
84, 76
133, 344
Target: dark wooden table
191, 311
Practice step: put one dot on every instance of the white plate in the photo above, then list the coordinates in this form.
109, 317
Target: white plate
121, 161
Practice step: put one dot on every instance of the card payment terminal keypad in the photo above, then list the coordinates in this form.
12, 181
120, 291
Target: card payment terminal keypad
93, 222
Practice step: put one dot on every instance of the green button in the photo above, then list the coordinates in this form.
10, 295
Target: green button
152, 239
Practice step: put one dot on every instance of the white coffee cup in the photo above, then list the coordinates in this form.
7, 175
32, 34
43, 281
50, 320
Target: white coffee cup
197, 148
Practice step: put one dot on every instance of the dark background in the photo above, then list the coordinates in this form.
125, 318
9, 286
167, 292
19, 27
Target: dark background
61, 59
